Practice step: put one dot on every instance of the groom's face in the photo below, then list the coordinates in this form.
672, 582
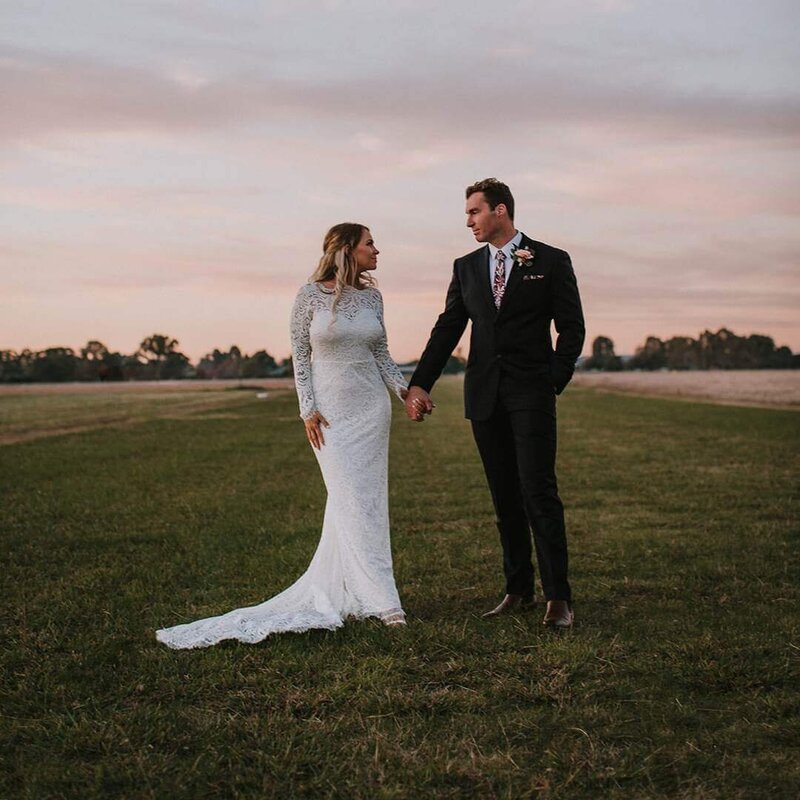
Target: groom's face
482, 220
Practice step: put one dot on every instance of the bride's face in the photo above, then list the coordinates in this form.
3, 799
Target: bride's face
366, 254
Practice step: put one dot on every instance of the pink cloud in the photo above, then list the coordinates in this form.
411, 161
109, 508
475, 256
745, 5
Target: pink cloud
50, 94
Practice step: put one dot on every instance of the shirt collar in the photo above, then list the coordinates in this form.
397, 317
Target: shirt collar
507, 247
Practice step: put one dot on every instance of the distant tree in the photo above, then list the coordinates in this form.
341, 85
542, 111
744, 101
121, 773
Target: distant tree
720, 350
207, 366
782, 358
158, 350
603, 357
682, 353
725, 350
259, 365
221, 364
133, 368
93, 361
759, 351
157, 347
176, 366
94, 351
111, 368
231, 366
650, 356
54, 365
11, 367
26, 360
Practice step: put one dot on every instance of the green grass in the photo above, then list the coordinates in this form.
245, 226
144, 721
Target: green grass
679, 681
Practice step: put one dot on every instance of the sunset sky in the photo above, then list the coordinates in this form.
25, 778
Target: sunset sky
172, 166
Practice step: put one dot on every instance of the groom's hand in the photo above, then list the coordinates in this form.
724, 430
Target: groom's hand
418, 404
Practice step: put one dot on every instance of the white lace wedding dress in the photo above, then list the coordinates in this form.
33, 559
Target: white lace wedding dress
351, 573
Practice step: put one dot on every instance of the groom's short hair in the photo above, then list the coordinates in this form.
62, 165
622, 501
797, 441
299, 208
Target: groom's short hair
495, 192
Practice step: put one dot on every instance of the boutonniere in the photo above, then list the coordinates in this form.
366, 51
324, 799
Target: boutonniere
523, 256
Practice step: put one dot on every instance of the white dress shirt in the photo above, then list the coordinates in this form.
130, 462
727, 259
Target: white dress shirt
513, 244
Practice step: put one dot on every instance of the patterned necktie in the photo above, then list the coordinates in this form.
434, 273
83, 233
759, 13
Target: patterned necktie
499, 284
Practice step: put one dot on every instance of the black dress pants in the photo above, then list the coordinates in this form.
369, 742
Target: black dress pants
518, 450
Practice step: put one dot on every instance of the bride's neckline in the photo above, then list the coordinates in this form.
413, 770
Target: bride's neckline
326, 290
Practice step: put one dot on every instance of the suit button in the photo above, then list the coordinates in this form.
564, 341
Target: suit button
499, 356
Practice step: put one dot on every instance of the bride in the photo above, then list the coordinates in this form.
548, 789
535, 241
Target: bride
337, 316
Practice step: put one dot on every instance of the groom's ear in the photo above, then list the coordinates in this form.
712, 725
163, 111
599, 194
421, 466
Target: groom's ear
500, 209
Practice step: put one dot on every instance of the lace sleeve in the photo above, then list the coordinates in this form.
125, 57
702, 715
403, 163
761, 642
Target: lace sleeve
389, 370
302, 313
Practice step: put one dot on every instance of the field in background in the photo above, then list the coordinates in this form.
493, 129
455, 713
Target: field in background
764, 387
751, 387
679, 681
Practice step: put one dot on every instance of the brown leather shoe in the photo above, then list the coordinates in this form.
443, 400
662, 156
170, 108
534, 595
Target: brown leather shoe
511, 602
558, 615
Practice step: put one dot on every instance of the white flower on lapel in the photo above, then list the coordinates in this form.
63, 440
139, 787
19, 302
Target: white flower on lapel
523, 257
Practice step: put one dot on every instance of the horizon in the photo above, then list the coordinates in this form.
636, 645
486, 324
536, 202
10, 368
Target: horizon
173, 168
461, 351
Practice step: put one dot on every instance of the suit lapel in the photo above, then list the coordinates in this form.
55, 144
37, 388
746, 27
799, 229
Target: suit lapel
482, 273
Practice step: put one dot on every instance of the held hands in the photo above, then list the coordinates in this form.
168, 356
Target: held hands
418, 404
314, 429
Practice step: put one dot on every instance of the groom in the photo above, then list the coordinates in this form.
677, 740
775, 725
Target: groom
511, 288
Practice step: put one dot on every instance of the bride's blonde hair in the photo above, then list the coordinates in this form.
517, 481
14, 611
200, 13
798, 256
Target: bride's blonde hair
338, 261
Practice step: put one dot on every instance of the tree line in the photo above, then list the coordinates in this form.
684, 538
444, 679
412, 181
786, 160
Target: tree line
721, 350
157, 358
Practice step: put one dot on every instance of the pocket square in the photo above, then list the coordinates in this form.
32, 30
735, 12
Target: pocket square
532, 277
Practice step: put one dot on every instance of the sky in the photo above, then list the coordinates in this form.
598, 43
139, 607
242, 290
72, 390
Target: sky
171, 167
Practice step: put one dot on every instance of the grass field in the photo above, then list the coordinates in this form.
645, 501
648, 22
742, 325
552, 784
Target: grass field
680, 679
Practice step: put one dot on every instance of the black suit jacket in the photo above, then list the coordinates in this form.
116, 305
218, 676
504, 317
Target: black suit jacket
510, 347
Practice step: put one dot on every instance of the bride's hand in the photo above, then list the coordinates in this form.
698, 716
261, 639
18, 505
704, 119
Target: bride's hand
314, 429
418, 404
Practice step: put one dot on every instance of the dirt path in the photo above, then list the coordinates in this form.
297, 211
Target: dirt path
32, 416
142, 387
